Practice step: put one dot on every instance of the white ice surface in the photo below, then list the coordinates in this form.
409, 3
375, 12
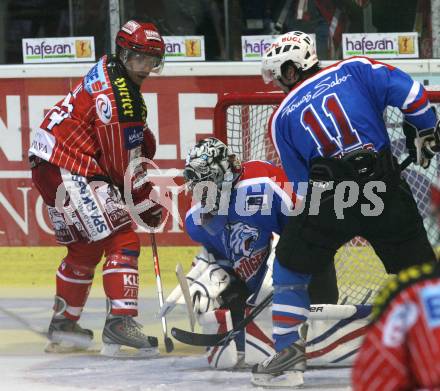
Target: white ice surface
24, 366
94, 372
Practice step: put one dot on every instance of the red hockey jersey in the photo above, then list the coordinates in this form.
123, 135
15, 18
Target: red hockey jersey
401, 349
98, 128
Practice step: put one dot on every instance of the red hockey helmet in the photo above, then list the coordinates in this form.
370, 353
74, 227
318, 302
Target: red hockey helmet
142, 38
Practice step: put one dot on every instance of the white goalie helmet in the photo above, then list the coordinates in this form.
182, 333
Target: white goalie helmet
210, 160
294, 46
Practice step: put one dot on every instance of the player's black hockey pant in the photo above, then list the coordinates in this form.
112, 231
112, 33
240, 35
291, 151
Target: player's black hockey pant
309, 243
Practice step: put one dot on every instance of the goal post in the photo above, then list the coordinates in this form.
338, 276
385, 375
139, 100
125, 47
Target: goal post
241, 121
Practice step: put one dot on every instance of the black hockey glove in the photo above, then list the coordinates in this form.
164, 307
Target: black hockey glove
432, 144
422, 145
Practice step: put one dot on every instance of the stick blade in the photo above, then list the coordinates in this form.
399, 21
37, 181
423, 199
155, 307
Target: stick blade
186, 295
195, 339
169, 345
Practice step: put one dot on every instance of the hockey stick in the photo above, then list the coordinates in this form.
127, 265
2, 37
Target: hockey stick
183, 282
406, 162
169, 346
196, 339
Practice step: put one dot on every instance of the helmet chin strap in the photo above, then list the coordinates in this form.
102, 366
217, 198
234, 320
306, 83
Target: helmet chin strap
286, 87
289, 86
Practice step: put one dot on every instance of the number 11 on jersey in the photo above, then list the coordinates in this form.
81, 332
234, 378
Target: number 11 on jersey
346, 138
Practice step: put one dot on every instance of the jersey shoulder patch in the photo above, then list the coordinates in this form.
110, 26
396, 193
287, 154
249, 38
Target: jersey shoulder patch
95, 80
266, 174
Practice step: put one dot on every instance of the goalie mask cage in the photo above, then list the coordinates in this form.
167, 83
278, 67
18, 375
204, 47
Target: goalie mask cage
241, 121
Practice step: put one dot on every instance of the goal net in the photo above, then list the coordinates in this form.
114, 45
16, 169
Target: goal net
241, 120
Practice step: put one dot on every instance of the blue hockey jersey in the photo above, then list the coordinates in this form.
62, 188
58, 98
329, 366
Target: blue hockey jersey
340, 109
259, 205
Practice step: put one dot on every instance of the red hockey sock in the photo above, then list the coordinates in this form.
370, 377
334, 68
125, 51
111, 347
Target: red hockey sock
73, 285
120, 278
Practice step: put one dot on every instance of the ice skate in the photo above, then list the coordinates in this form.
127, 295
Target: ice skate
66, 335
125, 331
282, 370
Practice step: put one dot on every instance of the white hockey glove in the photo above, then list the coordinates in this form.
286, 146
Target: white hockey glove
200, 264
205, 290
422, 145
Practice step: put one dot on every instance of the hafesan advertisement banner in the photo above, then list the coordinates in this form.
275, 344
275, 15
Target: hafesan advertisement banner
384, 45
52, 50
184, 48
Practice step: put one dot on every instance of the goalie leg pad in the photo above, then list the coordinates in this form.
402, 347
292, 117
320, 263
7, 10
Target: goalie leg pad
290, 305
216, 322
335, 333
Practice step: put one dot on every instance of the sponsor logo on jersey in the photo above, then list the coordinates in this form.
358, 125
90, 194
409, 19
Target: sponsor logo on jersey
242, 238
95, 81
97, 86
247, 267
401, 318
255, 203
130, 27
104, 108
133, 136
431, 305
42, 144
124, 98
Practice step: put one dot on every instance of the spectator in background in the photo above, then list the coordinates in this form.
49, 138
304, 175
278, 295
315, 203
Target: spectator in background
186, 17
31, 19
393, 16
50, 18
328, 20
90, 17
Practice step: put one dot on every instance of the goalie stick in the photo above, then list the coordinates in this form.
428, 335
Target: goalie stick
183, 282
196, 339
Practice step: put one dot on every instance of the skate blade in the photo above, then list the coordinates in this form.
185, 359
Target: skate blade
114, 350
62, 342
289, 379
55, 347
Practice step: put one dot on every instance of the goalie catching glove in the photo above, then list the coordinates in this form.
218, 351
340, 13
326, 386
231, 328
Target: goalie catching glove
206, 281
422, 145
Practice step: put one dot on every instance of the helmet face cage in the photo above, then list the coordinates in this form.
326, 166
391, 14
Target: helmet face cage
140, 62
294, 46
208, 160
144, 39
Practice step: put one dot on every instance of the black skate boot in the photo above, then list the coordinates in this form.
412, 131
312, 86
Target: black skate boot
66, 335
122, 330
282, 370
